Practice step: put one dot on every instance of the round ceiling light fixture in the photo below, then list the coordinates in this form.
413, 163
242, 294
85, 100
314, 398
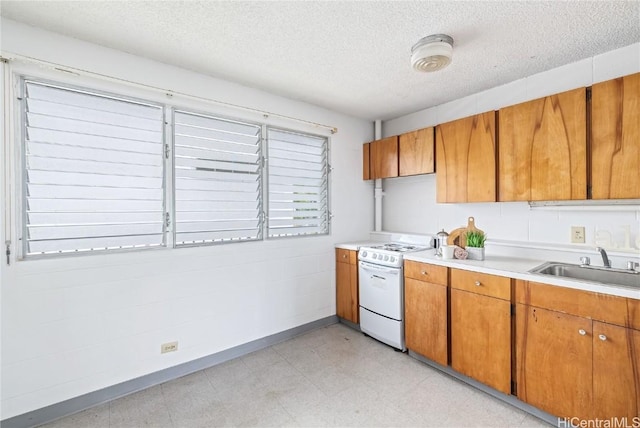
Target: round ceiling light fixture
432, 53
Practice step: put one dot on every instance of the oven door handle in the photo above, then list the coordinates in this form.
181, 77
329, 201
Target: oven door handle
373, 268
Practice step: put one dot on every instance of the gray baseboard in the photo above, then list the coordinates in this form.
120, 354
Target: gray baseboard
86, 401
510, 399
349, 324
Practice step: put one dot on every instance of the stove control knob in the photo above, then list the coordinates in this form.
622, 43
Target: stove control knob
392, 259
374, 256
364, 254
386, 258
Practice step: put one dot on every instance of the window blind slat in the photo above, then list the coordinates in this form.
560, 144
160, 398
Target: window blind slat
87, 99
298, 184
92, 162
95, 244
71, 178
92, 154
89, 129
218, 187
199, 205
107, 143
88, 114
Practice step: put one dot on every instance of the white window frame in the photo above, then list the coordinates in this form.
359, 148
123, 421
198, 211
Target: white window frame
327, 177
21, 169
15, 176
261, 177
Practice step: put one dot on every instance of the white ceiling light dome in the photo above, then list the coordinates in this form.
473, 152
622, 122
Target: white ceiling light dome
432, 53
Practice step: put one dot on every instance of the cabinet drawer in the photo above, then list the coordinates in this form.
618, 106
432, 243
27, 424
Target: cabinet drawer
481, 283
346, 256
425, 272
597, 306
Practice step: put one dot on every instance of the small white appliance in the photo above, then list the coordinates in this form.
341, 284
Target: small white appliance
381, 286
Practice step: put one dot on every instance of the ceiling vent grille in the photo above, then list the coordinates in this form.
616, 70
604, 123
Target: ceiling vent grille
432, 53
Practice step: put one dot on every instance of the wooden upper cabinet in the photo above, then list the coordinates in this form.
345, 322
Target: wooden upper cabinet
417, 152
384, 158
543, 149
615, 138
366, 169
466, 159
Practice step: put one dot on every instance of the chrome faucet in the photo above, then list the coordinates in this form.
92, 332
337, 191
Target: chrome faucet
605, 259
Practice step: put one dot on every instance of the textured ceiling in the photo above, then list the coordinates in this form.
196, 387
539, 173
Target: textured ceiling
348, 56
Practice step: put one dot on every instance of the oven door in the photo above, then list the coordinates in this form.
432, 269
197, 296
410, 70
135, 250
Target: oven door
381, 290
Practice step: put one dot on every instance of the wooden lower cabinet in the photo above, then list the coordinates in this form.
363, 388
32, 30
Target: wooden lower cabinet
347, 285
425, 324
570, 353
571, 366
616, 372
553, 361
481, 338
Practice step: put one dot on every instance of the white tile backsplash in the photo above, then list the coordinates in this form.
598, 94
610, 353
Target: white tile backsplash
512, 221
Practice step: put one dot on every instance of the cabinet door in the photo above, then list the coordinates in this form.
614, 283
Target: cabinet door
417, 152
615, 138
481, 283
384, 158
425, 324
466, 160
481, 338
542, 150
366, 156
554, 361
346, 287
616, 371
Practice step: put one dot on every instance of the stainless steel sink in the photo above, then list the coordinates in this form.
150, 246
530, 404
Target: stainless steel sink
610, 276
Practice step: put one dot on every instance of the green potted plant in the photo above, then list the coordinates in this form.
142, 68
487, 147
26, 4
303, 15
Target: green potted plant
475, 245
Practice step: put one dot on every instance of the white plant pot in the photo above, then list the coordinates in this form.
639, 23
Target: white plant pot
475, 253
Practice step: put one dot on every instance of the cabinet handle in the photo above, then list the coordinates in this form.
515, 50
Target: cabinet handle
478, 283
344, 256
602, 337
424, 272
582, 332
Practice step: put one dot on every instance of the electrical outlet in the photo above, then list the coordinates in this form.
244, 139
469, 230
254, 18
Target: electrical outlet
168, 347
577, 234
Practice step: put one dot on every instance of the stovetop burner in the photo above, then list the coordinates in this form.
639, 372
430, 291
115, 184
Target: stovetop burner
388, 254
399, 248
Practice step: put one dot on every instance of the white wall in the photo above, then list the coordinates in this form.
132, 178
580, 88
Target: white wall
73, 325
410, 204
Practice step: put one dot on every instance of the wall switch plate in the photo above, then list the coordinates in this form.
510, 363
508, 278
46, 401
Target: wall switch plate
168, 347
577, 234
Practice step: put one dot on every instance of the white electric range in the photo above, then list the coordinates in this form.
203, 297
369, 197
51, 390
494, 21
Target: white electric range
381, 288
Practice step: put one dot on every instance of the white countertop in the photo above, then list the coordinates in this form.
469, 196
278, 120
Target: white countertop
512, 267
518, 268
355, 246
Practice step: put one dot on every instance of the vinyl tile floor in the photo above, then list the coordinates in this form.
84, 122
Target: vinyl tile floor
330, 377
